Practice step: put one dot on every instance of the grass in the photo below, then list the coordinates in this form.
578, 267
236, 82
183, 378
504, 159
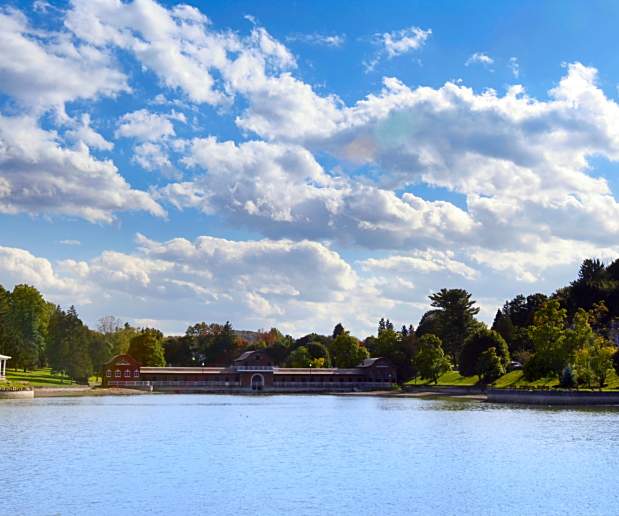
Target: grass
43, 378
514, 379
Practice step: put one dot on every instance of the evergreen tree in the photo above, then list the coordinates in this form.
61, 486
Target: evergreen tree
456, 315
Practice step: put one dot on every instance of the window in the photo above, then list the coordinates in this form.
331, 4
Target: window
136, 373
108, 373
117, 373
127, 374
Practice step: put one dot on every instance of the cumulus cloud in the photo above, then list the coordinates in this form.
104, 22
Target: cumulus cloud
40, 176
43, 70
145, 126
178, 45
522, 163
282, 191
84, 133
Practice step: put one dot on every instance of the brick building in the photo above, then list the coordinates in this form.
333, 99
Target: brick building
252, 371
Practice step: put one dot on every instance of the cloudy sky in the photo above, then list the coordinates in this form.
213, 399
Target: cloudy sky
296, 164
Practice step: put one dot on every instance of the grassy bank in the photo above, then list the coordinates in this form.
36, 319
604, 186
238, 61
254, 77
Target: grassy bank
509, 380
43, 378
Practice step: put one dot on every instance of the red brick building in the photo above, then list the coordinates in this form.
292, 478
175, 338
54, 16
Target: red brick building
252, 371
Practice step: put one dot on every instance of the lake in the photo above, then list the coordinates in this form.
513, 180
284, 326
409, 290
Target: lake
343, 455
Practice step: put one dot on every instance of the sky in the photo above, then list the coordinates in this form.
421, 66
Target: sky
300, 164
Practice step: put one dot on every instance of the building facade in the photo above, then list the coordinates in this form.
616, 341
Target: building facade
252, 371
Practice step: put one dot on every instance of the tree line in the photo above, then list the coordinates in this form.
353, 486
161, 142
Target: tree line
565, 334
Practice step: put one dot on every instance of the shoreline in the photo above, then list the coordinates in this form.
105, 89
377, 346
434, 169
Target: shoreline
498, 396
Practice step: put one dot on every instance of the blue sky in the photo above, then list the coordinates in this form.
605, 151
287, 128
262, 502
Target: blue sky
297, 164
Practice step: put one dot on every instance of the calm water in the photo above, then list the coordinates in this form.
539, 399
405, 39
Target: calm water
174, 454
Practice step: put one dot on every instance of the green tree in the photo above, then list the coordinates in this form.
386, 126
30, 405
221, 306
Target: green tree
27, 323
397, 347
547, 333
319, 352
490, 366
456, 318
100, 351
346, 351
594, 361
300, 357
476, 344
430, 360
147, 349
503, 326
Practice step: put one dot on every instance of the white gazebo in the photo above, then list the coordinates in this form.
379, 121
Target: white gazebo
3, 360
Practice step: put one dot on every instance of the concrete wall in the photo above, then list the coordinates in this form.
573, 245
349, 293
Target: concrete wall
552, 397
16, 395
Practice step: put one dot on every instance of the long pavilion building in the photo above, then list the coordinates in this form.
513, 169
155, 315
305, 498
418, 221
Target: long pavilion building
252, 371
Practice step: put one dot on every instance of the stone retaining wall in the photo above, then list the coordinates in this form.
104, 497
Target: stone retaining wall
552, 397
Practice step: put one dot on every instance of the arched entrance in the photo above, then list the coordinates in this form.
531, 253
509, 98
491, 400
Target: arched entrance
257, 382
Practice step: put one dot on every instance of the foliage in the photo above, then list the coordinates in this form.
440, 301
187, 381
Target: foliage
490, 366
28, 316
476, 344
547, 333
430, 360
397, 347
456, 316
347, 351
147, 348
300, 357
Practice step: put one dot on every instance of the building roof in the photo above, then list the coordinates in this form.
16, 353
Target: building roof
4, 357
369, 362
314, 371
245, 355
183, 370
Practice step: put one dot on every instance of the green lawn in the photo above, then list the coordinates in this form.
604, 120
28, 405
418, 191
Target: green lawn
42, 378
509, 380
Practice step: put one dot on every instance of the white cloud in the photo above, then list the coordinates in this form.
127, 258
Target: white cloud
70, 242
144, 125
151, 156
44, 70
327, 40
421, 262
84, 133
514, 66
397, 43
284, 192
403, 41
39, 176
479, 58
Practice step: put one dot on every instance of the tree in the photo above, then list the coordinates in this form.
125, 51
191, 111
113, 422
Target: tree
179, 351
146, 348
27, 321
398, 347
319, 353
548, 337
456, 318
490, 366
71, 346
347, 351
338, 330
503, 326
430, 360
300, 357
476, 344
594, 361
100, 351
